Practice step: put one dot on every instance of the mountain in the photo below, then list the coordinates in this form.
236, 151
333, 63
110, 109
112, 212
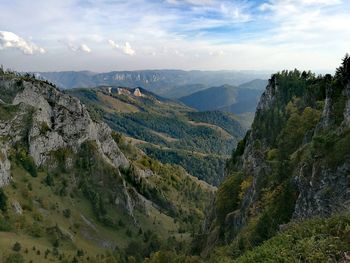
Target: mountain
259, 84
167, 130
73, 190
285, 197
167, 83
238, 100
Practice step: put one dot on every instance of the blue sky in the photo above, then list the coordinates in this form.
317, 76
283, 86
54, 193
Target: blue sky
104, 35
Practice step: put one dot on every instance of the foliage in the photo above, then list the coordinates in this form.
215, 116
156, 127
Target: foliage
5, 225
26, 161
7, 112
208, 168
316, 240
17, 247
225, 120
199, 141
227, 196
3, 200
287, 133
14, 258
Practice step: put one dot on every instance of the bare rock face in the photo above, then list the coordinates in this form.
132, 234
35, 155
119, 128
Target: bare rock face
17, 207
122, 91
137, 92
5, 166
323, 190
62, 121
268, 97
347, 106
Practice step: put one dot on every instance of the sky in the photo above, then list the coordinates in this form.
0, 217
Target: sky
106, 35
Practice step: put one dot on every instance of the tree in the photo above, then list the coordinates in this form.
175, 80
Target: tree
14, 258
17, 247
3, 201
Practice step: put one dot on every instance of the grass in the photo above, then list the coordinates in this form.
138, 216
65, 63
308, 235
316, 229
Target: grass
45, 208
7, 112
315, 240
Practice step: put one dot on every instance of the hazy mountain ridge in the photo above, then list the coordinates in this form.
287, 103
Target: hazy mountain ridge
167, 83
238, 100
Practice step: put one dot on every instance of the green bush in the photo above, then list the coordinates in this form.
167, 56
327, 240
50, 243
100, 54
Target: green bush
27, 162
17, 247
316, 240
14, 258
227, 196
5, 225
3, 200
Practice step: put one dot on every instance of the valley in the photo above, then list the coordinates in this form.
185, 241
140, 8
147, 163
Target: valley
167, 130
118, 174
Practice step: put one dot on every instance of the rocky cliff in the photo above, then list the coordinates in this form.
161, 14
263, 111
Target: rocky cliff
294, 164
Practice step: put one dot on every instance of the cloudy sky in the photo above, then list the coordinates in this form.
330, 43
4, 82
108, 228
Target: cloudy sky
105, 35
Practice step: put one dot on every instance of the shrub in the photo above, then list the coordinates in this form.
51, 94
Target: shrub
14, 258
67, 213
3, 200
4, 224
17, 247
227, 198
27, 162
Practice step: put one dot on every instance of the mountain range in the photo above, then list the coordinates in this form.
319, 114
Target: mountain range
167, 83
78, 182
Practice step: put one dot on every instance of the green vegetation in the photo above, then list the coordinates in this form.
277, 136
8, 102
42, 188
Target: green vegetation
7, 112
316, 240
3, 201
170, 132
289, 141
209, 168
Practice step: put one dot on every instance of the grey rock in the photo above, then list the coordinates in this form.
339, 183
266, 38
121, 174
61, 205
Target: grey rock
17, 207
323, 190
5, 166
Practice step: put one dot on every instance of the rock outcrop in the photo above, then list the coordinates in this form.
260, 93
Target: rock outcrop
62, 121
57, 121
293, 164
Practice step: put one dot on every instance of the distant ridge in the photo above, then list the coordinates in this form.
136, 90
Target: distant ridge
241, 99
167, 83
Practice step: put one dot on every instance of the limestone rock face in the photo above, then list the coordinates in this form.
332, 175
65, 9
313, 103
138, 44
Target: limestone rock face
268, 97
322, 190
347, 106
57, 121
5, 166
62, 121
17, 207
137, 92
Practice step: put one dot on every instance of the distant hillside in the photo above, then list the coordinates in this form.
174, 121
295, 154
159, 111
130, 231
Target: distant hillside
259, 84
241, 99
167, 83
166, 130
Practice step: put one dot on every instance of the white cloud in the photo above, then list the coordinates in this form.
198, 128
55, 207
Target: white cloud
321, 2
79, 48
11, 40
126, 48
84, 48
